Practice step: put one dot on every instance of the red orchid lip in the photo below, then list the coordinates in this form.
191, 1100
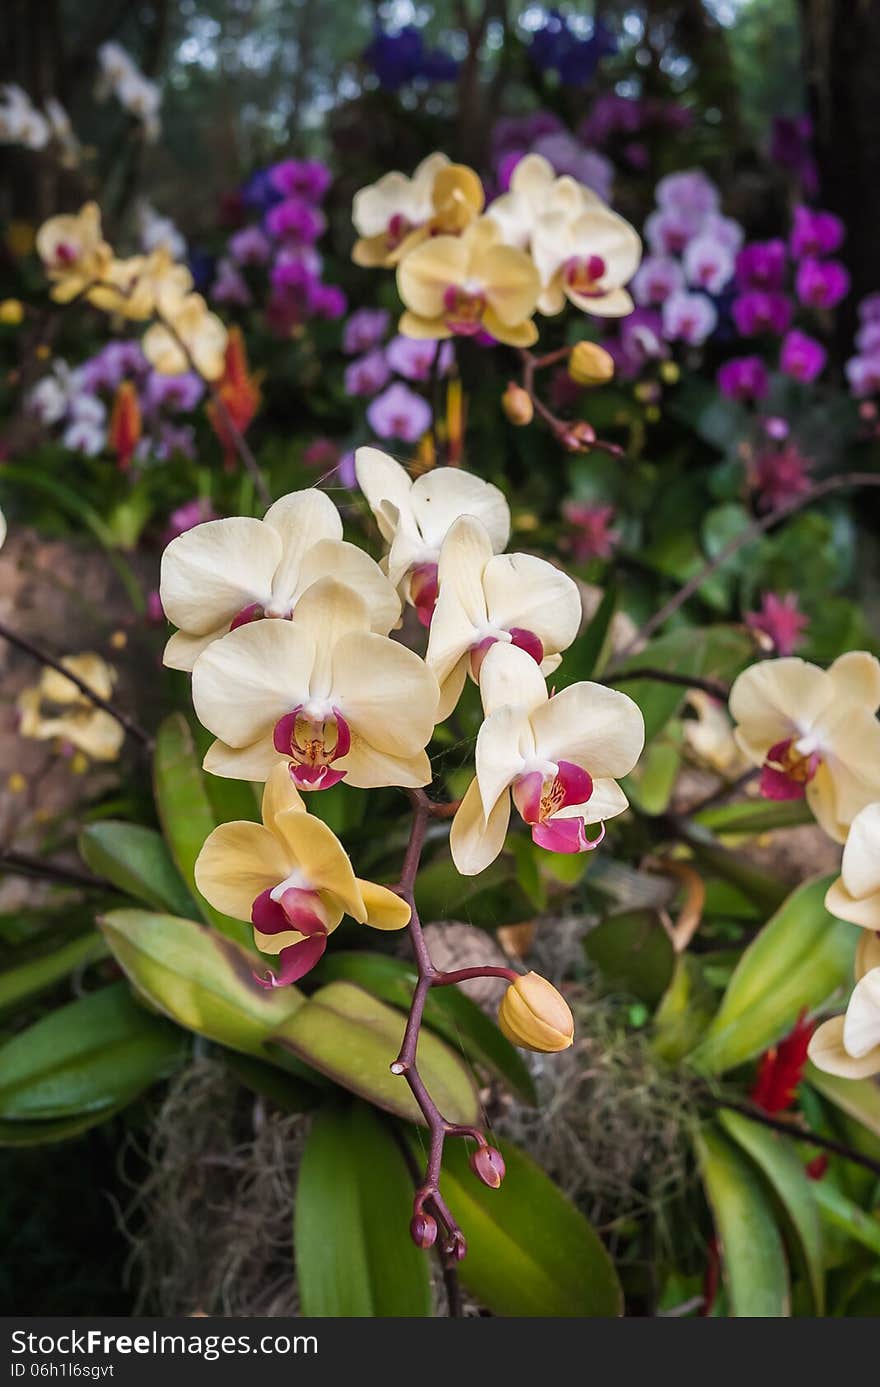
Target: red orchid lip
786, 772
539, 800
311, 746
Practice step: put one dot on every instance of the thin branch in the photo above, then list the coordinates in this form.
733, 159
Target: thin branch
664, 676
23, 864
575, 435
798, 1133
746, 536
126, 722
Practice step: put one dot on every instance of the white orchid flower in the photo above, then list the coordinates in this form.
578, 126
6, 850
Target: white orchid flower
487, 597
586, 259
814, 732
849, 1045
323, 693
558, 758
535, 190
225, 573
855, 896
414, 518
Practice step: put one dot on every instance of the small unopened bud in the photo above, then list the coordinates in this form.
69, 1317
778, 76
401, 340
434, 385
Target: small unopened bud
590, 364
423, 1230
670, 372
488, 1166
517, 404
578, 437
534, 1015
11, 312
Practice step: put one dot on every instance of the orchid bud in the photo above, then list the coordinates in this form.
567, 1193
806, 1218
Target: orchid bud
423, 1230
670, 372
534, 1015
578, 437
590, 364
124, 432
488, 1166
517, 404
11, 312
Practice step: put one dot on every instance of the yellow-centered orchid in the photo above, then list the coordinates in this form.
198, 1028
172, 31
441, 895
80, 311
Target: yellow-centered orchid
193, 338
486, 597
535, 191
55, 708
586, 259
813, 732
456, 286
224, 574
849, 1045
292, 878
73, 251
855, 896
323, 693
558, 758
414, 518
394, 215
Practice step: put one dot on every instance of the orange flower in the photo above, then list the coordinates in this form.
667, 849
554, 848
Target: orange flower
125, 424
237, 396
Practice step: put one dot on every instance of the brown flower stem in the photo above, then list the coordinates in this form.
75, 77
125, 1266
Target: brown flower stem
724, 792
751, 532
664, 676
428, 1198
796, 1132
44, 658
564, 431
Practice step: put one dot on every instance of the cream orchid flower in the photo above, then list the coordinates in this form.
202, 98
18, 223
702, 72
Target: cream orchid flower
193, 339
414, 518
143, 285
457, 286
813, 732
855, 896
73, 251
587, 259
559, 759
324, 693
710, 737
56, 708
536, 191
849, 1045
223, 574
292, 878
392, 216
486, 597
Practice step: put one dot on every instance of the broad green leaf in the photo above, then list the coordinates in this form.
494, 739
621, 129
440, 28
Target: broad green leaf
650, 785
685, 1010
530, 1251
859, 1099
447, 1011
354, 1255
345, 1033
589, 652
55, 1130
135, 859
286, 1091
634, 953
766, 891
18, 984
198, 977
752, 1256
800, 956
186, 814
846, 1217
90, 1055
778, 1159
755, 816
493, 898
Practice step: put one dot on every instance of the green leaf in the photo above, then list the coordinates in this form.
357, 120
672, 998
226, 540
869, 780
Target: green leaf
353, 1038
198, 977
490, 899
752, 1256
185, 813
800, 956
777, 1158
135, 859
765, 890
845, 1216
650, 785
88, 1056
286, 1091
19, 984
755, 816
589, 652
711, 652
530, 1251
354, 1255
685, 1011
859, 1099
448, 1011
49, 1133
634, 953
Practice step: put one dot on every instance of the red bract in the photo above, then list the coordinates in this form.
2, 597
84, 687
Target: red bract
237, 397
781, 1069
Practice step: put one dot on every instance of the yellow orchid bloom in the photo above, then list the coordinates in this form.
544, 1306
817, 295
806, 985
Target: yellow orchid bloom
855, 896
143, 285
73, 251
849, 1045
225, 573
292, 878
586, 259
397, 213
463, 285
55, 708
814, 732
193, 339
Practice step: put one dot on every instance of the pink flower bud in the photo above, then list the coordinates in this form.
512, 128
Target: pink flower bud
488, 1166
423, 1230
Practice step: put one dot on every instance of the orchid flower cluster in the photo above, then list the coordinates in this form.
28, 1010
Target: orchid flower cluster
121, 77
22, 123
814, 733
465, 269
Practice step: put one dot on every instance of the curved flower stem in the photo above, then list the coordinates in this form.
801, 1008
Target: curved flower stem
428, 1198
576, 436
129, 725
751, 532
712, 687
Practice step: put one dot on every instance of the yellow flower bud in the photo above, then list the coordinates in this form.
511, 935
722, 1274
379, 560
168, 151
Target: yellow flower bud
590, 364
11, 312
534, 1015
670, 372
517, 404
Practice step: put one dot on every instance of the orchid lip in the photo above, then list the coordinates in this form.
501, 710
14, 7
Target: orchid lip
313, 737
